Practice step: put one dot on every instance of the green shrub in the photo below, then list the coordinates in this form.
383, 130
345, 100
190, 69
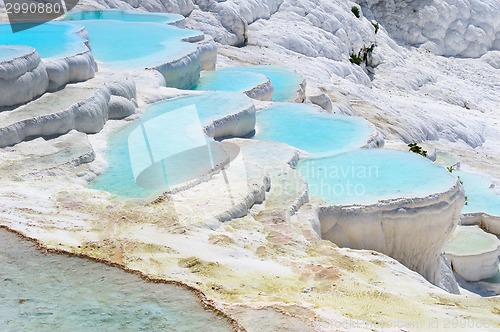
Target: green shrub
356, 59
362, 55
417, 149
355, 11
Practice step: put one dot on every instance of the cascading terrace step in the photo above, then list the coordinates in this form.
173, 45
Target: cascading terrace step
84, 107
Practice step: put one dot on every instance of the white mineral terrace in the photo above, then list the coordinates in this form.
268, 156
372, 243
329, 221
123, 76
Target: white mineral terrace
226, 182
473, 253
411, 230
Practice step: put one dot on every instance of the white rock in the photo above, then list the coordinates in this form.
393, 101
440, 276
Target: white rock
184, 72
83, 107
79, 67
473, 253
446, 27
22, 78
411, 231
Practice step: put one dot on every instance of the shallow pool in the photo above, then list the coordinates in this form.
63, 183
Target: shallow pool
51, 40
229, 81
481, 197
365, 176
306, 127
286, 82
125, 16
54, 292
168, 134
126, 45
470, 240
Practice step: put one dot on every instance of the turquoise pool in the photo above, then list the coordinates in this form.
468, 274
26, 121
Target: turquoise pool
51, 40
170, 133
305, 127
366, 176
235, 81
286, 82
480, 197
53, 292
137, 45
124, 16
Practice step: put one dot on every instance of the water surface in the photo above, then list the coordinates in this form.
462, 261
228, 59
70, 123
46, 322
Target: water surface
229, 81
365, 176
125, 16
286, 82
132, 45
481, 195
51, 39
54, 292
305, 127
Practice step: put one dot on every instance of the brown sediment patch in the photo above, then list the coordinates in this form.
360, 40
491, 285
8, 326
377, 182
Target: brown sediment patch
220, 240
280, 236
319, 272
206, 303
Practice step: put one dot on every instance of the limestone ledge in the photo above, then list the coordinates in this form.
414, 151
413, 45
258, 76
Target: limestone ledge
489, 223
238, 124
232, 191
262, 92
26, 77
22, 78
410, 230
38, 158
375, 140
78, 67
110, 100
184, 72
300, 94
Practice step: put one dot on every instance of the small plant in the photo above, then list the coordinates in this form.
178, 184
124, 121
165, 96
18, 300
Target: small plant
355, 11
363, 55
376, 26
461, 182
417, 149
356, 59
455, 166
366, 52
